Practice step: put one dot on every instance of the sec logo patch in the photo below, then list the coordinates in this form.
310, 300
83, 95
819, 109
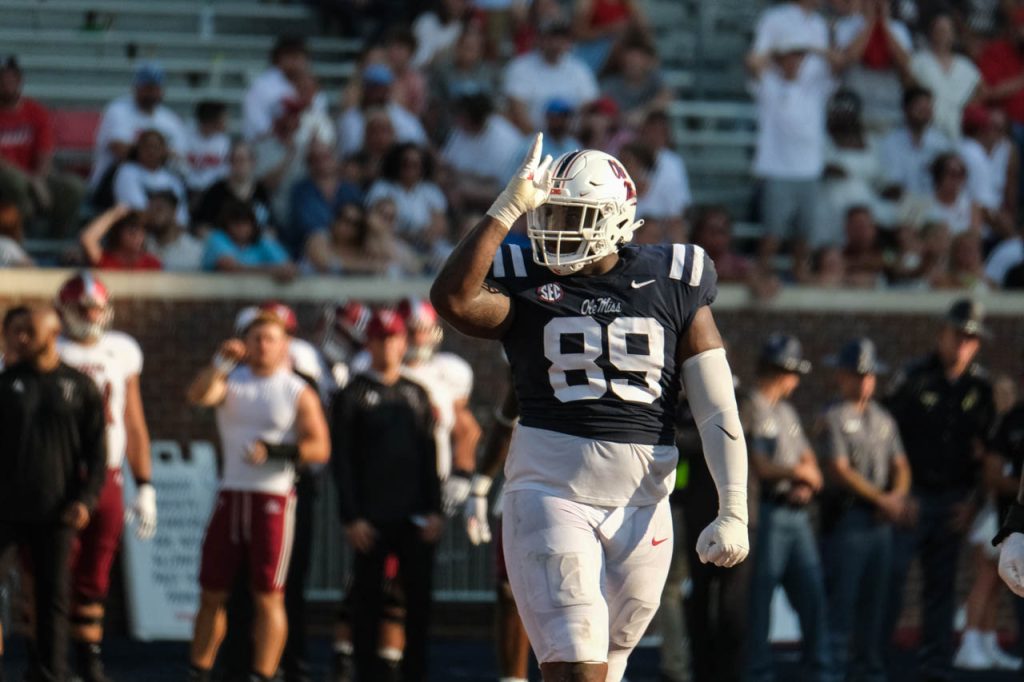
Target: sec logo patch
550, 293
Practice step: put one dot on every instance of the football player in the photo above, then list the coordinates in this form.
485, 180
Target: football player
599, 334
114, 361
341, 335
448, 379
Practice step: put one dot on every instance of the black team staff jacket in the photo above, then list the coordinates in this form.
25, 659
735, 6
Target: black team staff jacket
384, 452
52, 443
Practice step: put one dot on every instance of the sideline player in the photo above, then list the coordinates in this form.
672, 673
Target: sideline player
114, 361
270, 421
448, 380
599, 335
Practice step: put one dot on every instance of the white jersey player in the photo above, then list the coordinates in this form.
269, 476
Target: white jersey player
114, 361
270, 423
448, 380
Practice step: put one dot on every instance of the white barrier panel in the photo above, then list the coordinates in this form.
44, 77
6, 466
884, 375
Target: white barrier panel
162, 574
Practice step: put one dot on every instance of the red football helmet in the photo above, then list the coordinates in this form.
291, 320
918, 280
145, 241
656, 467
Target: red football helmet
76, 300
425, 333
343, 330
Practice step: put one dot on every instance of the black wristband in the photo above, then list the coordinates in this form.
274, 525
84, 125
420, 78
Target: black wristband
462, 473
282, 452
139, 482
1013, 523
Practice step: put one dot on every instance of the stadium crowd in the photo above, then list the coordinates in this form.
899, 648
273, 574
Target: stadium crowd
887, 151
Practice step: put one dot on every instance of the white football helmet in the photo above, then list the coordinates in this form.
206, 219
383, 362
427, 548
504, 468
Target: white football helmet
588, 215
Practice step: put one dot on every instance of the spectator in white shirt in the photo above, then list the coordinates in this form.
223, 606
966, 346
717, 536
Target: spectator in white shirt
791, 88
315, 121
129, 115
208, 146
166, 239
790, 23
407, 179
908, 152
377, 80
288, 59
875, 50
853, 168
991, 158
950, 202
146, 172
952, 78
482, 151
668, 195
280, 159
551, 71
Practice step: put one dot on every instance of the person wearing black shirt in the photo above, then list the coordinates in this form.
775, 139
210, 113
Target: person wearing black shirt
385, 466
52, 466
945, 411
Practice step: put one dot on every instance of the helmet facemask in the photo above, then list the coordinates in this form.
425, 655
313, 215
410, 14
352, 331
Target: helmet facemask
77, 324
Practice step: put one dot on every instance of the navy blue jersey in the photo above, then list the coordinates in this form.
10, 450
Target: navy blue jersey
595, 356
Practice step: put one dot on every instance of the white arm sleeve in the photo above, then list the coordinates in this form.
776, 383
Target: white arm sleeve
709, 388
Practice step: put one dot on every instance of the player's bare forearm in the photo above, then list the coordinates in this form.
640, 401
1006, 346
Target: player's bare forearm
208, 388
137, 433
460, 294
314, 436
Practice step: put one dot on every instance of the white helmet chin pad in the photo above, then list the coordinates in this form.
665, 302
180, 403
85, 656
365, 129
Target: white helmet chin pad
588, 215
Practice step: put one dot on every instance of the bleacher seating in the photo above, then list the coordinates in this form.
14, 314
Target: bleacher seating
79, 54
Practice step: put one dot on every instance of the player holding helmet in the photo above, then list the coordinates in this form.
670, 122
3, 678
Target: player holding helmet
114, 361
599, 335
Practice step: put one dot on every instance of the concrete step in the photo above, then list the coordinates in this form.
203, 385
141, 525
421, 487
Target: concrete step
72, 44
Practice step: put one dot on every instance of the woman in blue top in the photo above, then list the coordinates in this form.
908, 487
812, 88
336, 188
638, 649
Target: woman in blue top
239, 246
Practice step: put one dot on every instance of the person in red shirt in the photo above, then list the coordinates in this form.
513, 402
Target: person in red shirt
116, 240
27, 177
1001, 63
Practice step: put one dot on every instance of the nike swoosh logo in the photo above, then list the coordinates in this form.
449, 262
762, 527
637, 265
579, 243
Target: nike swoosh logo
638, 285
658, 542
722, 429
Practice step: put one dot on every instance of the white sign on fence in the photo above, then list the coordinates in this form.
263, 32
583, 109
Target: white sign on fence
161, 574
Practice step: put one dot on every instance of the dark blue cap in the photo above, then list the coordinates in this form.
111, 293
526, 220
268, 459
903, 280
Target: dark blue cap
859, 356
378, 74
559, 105
967, 316
784, 352
149, 73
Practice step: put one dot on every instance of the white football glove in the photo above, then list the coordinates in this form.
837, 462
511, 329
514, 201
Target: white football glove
478, 525
724, 542
454, 493
1011, 562
143, 511
528, 188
